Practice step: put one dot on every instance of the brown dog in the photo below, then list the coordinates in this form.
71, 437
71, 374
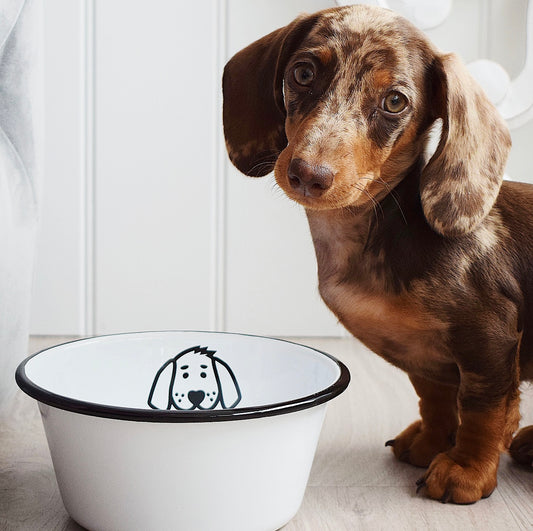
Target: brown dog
428, 262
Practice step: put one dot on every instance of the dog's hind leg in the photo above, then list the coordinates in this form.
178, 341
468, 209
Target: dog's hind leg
521, 448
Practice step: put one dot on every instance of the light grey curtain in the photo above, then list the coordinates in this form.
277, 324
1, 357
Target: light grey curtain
21, 109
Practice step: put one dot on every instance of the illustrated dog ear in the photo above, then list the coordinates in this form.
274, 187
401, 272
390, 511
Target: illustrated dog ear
253, 109
160, 396
460, 183
229, 392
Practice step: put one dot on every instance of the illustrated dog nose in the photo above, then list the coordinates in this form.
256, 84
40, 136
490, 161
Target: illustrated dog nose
196, 397
309, 179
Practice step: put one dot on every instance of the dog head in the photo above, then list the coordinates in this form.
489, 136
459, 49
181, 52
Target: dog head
340, 104
194, 379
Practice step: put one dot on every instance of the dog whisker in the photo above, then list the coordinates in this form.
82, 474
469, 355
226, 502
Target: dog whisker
390, 191
375, 204
267, 161
276, 189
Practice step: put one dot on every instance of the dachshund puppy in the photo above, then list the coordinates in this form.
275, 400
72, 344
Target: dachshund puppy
428, 260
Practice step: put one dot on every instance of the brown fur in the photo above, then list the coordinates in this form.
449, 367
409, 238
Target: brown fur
427, 262
419, 443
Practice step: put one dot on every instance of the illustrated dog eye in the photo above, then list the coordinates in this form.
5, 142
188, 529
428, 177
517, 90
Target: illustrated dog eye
394, 102
304, 74
185, 375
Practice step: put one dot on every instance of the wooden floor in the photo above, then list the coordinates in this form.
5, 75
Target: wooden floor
355, 483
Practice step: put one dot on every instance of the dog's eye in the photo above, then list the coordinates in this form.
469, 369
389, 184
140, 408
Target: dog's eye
185, 375
394, 102
304, 74
203, 374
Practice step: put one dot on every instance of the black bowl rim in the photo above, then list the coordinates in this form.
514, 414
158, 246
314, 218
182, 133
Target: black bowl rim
173, 416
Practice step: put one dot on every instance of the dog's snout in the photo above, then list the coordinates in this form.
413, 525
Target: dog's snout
196, 397
309, 179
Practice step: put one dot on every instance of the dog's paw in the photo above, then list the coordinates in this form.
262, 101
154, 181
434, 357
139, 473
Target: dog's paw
419, 446
521, 448
448, 481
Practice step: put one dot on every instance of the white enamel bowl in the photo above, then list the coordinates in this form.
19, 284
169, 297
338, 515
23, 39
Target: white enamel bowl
182, 430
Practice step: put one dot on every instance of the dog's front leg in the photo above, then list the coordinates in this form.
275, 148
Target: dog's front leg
435, 432
489, 415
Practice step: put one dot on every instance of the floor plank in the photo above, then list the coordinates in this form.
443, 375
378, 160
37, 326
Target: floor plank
397, 508
354, 484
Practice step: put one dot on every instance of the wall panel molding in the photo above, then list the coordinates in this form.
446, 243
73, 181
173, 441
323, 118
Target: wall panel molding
87, 201
57, 304
219, 178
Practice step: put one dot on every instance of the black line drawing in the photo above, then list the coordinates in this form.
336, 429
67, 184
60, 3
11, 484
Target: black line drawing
194, 379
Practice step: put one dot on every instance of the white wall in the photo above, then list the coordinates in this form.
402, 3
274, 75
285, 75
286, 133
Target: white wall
145, 225
155, 147
58, 293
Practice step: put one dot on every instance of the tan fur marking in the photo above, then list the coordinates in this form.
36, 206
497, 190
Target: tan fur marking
382, 78
325, 55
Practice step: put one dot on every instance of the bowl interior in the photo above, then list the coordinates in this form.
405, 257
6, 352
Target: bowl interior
182, 371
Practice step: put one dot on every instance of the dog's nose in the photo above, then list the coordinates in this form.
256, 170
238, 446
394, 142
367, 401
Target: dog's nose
196, 397
309, 179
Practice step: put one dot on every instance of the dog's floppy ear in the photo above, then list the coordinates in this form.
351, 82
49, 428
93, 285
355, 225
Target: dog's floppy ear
229, 392
460, 183
160, 396
253, 110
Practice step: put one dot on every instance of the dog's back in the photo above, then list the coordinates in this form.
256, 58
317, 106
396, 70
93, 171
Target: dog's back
515, 202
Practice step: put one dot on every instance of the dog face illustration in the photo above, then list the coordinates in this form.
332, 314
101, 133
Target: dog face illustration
194, 379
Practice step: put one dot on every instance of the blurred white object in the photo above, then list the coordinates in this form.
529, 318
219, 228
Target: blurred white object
425, 14
492, 77
20, 125
514, 98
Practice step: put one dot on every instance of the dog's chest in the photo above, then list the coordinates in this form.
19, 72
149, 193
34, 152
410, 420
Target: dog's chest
397, 326
393, 326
